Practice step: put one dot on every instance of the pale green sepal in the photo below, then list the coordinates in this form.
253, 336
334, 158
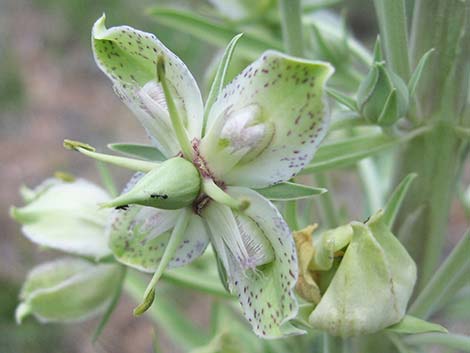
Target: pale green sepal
220, 77
174, 184
396, 199
290, 191
65, 216
342, 98
372, 285
413, 325
139, 236
145, 152
418, 72
67, 290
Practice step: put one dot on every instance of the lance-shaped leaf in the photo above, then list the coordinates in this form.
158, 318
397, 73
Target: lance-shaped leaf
146, 152
290, 191
139, 236
414, 325
258, 253
267, 123
129, 57
67, 290
66, 216
213, 32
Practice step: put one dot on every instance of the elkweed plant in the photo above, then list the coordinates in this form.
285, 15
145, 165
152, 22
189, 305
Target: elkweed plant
222, 200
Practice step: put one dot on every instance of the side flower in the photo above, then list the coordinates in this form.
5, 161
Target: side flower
261, 129
358, 277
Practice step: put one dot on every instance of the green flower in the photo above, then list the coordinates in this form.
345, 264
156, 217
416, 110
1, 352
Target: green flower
65, 215
67, 290
261, 129
359, 276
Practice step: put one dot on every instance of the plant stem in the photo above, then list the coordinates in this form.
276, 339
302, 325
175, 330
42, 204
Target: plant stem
291, 23
391, 15
331, 217
435, 158
332, 344
438, 286
290, 214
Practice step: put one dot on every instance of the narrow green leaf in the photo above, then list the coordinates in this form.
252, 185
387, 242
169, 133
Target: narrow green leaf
290, 191
348, 151
220, 78
147, 152
342, 98
413, 325
415, 77
192, 278
459, 342
396, 199
213, 32
112, 305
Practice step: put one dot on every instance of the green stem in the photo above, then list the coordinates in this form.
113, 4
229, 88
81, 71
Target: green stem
438, 286
330, 214
291, 215
332, 344
391, 15
291, 23
435, 158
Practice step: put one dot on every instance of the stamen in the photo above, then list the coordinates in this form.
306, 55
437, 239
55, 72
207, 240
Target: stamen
216, 193
129, 163
176, 121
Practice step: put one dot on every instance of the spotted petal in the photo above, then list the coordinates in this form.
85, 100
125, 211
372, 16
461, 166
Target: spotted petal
265, 280
139, 236
266, 125
128, 57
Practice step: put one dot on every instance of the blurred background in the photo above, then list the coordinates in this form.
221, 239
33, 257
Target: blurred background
51, 89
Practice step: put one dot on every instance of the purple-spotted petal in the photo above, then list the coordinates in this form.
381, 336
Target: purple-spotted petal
139, 236
266, 125
128, 57
263, 281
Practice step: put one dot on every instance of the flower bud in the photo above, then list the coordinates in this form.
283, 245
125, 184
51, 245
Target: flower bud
67, 290
369, 282
65, 216
382, 97
172, 185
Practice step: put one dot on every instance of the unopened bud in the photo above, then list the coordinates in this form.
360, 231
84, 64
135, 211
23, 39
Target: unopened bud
383, 97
